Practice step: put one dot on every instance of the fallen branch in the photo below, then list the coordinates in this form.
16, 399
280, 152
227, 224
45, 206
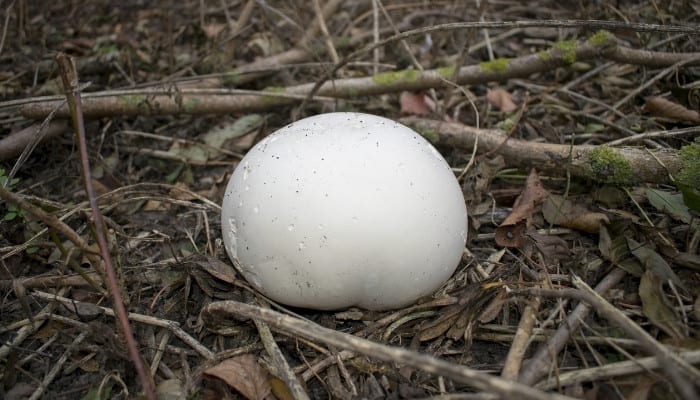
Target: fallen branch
223, 101
629, 164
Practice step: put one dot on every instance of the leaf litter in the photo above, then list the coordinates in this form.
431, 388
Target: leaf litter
526, 231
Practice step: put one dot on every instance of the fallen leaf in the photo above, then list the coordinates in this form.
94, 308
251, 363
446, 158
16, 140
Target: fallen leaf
244, 374
551, 247
501, 99
671, 203
564, 212
215, 139
219, 269
416, 103
511, 232
660, 107
655, 306
615, 250
652, 261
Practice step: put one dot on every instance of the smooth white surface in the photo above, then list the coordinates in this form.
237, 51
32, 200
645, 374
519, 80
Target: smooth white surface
344, 209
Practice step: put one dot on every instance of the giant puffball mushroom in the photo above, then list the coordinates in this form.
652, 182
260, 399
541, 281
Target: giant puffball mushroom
344, 209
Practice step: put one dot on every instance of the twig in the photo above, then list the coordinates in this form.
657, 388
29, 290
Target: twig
172, 326
218, 101
427, 363
540, 363
280, 363
675, 366
612, 370
594, 24
511, 367
324, 31
30, 328
69, 78
56, 368
51, 221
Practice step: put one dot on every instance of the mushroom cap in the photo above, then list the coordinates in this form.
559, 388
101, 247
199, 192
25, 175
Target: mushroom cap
344, 209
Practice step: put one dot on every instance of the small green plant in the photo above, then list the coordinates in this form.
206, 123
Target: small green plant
12, 210
5, 180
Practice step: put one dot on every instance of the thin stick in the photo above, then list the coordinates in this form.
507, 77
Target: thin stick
511, 367
294, 326
541, 362
56, 368
281, 364
69, 77
612, 370
173, 326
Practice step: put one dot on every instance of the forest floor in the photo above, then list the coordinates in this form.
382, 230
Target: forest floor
571, 128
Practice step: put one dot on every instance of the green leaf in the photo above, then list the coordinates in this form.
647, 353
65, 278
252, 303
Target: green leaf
671, 203
10, 216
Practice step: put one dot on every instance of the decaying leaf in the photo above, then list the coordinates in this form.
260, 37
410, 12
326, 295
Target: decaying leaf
218, 269
551, 247
416, 103
653, 261
671, 203
615, 250
244, 374
660, 107
511, 232
564, 212
211, 142
656, 307
501, 99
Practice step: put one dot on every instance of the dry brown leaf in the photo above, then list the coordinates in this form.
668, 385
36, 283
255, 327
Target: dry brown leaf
551, 247
494, 307
437, 328
244, 374
219, 269
660, 107
501, 99
416, 103
511, 232
656, 307
564, 212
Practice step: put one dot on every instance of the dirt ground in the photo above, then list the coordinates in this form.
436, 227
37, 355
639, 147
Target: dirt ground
572, 128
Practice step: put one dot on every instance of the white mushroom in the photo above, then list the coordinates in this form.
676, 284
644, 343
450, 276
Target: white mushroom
344, 209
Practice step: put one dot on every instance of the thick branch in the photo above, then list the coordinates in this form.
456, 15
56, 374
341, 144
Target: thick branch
645, 165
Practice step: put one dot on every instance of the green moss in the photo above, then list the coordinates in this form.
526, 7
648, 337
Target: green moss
133, 100
351, 92
689, 174
544, 55
342, 42
568, 49
446, 72
430, 135
391, 78
232, 78
600, 38
191, 105
610, 167
497, 65
272, 89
